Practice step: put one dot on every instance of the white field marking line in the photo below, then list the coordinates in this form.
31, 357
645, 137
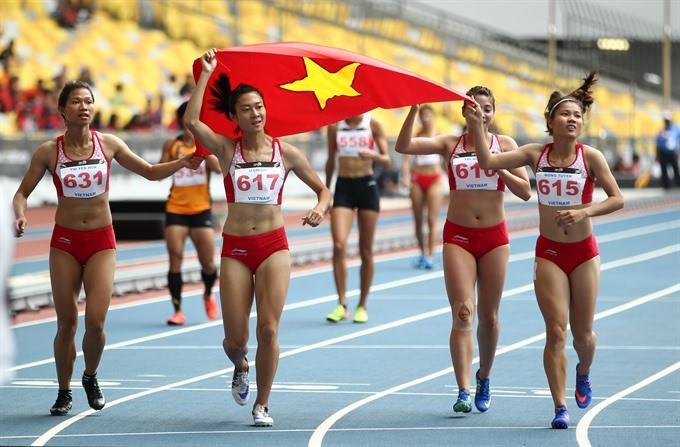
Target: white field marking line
324, 427
390, 257
56, 429
327, 298
584, 423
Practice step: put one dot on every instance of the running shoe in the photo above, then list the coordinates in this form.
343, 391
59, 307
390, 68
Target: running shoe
360, 315
240, 387
483, 393
95, 398
561, 419
583, 392
418, 263
63, 403
427, 263
211, 309
261, 416
339, 313
464, 402
177, 320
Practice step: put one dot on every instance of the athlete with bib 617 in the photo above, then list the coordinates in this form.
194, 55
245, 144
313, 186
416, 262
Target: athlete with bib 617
567, 267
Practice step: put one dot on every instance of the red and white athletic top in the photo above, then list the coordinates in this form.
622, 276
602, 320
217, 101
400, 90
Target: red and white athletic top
465, 173
258, 182
564, 186
81, 179
351, 140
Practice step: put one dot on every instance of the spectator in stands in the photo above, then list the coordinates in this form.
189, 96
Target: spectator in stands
476, 243
187, 88
82, 250
118, 96
255, 256
567, 266
667, 145
10, 95
86, 76
357, 142
188, 213
7, 56
113, 122
425, 188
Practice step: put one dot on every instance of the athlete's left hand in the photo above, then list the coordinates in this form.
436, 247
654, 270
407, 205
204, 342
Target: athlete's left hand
313, 218
192, 161
567, 218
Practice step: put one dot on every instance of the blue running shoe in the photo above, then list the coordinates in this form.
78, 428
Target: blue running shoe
240, 386
464, 402
418, 263
561, 419
427, 263
583, 392
483, 393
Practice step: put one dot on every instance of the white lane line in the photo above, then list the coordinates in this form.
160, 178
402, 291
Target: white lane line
58, 428
584, 423
324, 427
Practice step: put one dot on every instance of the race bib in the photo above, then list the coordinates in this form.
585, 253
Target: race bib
190, 177
257, 182
560, 186
84, 178
351, 143
470, 176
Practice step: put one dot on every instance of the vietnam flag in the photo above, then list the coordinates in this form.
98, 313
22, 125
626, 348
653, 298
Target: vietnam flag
307, 86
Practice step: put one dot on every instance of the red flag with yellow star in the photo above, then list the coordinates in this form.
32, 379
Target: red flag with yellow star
307, 86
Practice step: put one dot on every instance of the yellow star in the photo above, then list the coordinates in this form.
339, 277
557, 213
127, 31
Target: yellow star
324, 84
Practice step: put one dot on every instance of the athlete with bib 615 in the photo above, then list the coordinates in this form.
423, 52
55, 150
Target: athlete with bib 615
567, 267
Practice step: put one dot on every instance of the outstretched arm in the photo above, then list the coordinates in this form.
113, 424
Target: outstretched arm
214, 142
406, 144
133, 162
516, 179
505, 160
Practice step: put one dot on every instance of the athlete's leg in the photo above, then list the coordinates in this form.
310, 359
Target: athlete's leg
460, 274
271, 287
66, 279
491, 271
552, 293
175, 236
236, 297
98, 284
434, 200
367, 220
204, 241
341, 224
417, 204
584, 282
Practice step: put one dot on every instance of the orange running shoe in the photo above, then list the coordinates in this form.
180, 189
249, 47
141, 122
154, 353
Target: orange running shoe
177, 320
211, 308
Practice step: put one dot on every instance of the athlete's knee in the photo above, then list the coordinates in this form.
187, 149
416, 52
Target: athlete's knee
584, 338
67, 329
366, 253
266, 333
463, 318
234, 345
556, 334
339, 247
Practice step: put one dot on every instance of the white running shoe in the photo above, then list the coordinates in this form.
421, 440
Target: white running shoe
240, 387
261, 416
